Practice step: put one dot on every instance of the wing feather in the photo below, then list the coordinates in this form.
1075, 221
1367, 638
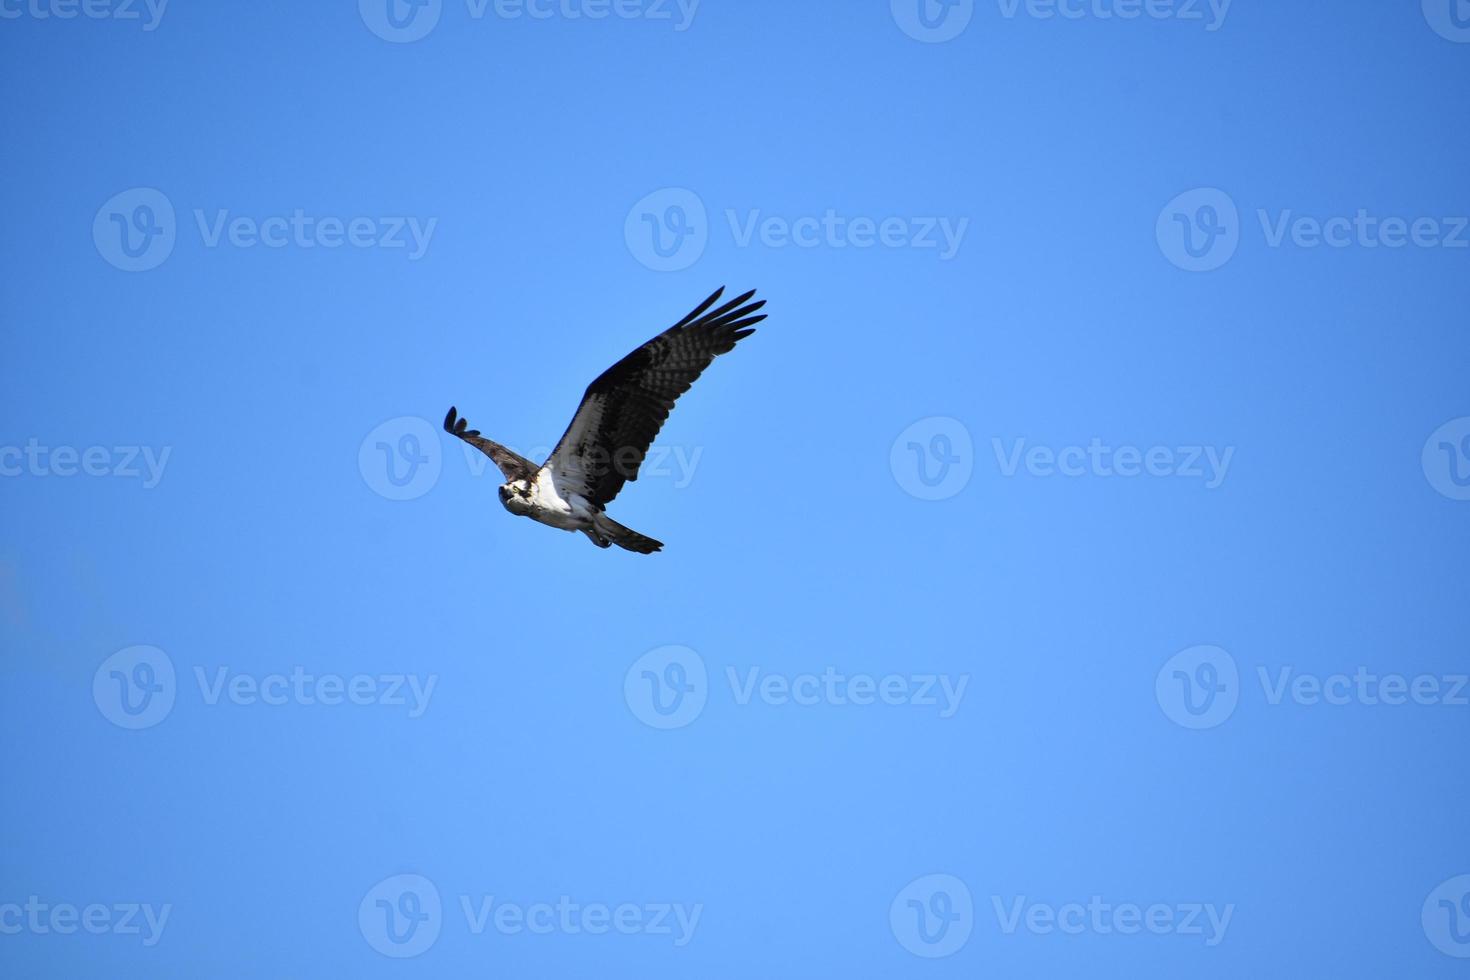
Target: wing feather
623, 410
514, 467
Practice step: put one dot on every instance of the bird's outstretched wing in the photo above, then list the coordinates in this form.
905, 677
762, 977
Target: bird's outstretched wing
513, 466
624, 408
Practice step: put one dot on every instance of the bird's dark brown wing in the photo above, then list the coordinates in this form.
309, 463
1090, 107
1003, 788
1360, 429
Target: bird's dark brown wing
513, 466
624, 408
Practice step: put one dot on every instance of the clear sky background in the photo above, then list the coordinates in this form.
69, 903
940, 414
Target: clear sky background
909, 474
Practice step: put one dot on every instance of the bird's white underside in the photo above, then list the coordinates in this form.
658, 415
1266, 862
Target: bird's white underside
554, 503
557, 494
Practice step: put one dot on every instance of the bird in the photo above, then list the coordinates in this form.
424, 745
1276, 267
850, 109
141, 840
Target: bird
608, 438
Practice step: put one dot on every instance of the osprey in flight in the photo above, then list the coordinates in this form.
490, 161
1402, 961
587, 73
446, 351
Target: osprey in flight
617, 420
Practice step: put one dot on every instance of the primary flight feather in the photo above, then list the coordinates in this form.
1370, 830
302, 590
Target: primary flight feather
614, 425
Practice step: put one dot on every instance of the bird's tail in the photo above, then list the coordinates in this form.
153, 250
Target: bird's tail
612, 532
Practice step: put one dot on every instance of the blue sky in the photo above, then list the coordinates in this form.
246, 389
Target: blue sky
1067, 579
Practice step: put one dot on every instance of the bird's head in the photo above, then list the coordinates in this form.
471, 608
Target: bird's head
515, 496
